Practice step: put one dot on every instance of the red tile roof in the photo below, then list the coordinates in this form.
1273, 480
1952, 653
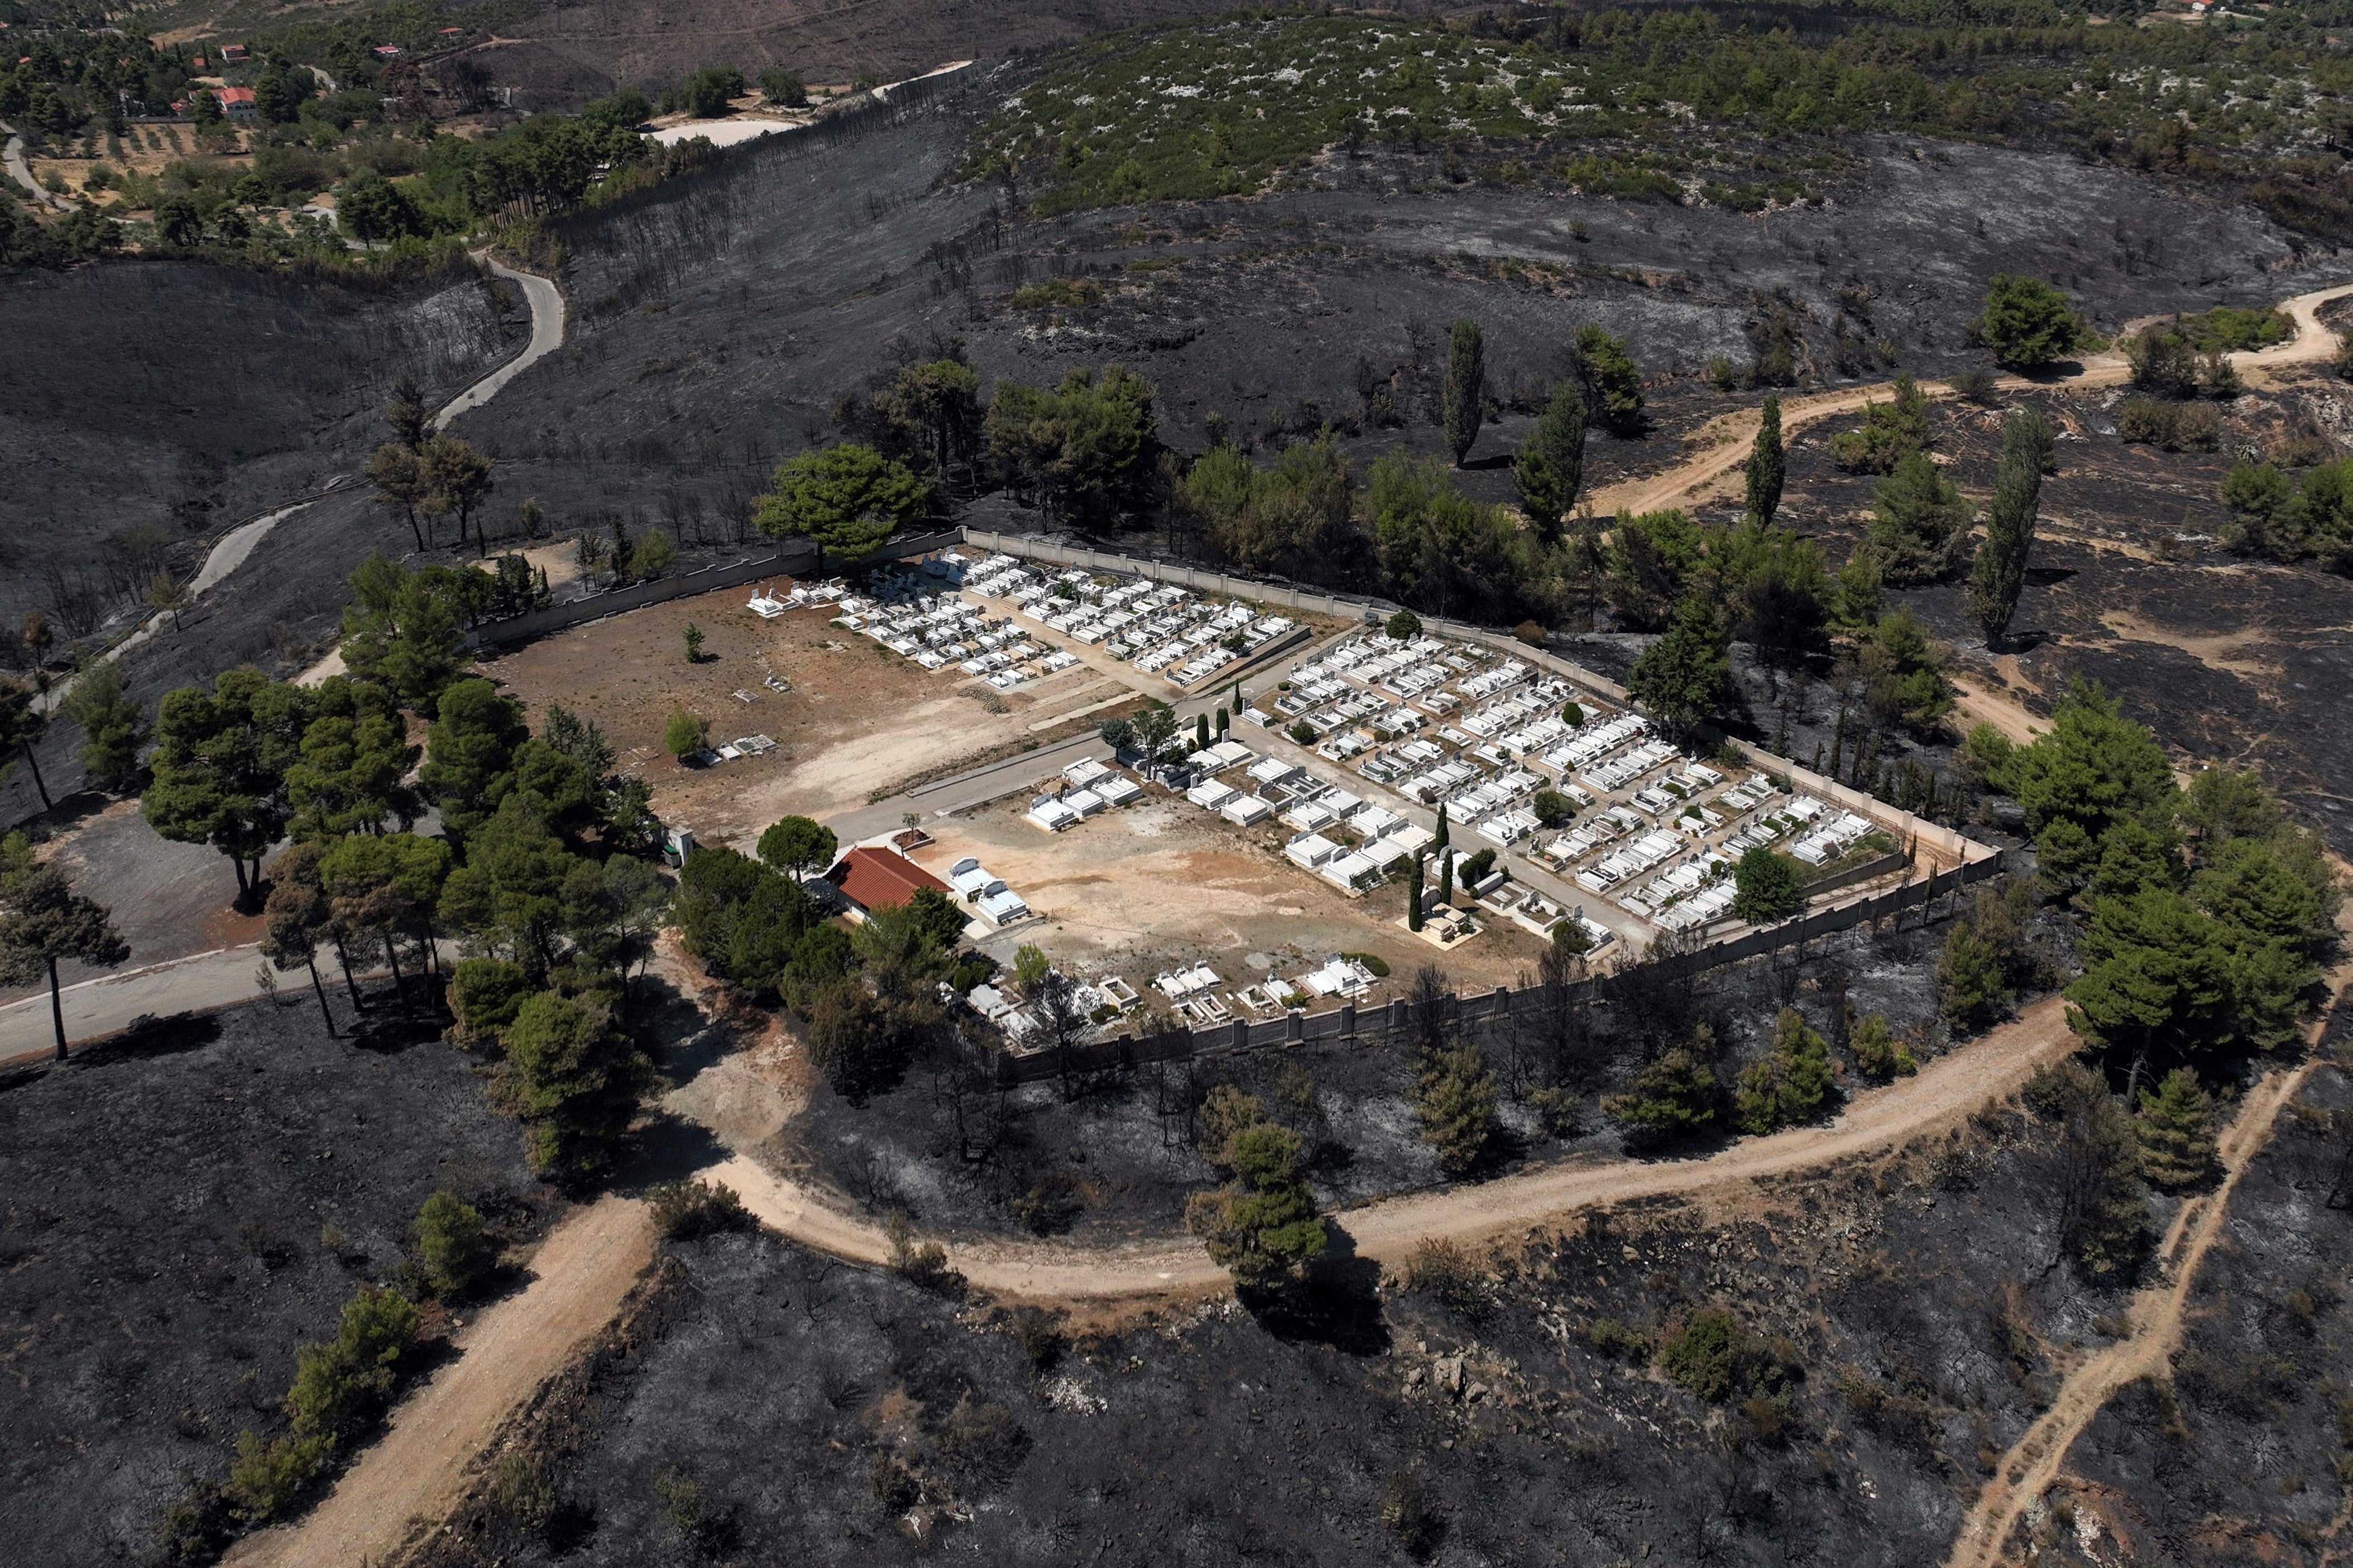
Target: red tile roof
873, 879
229, 95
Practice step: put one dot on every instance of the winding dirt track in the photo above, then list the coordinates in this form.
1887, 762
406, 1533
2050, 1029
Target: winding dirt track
1946, 1090
1704, 476
2156, 1316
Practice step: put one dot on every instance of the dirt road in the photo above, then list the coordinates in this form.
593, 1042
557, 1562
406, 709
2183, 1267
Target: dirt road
2027, 1471
1701, 476
414, 1475
1950, 1088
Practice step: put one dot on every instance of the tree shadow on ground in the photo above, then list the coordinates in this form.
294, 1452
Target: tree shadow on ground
146, 1037
689, 1039
1338, 1305
669, 1148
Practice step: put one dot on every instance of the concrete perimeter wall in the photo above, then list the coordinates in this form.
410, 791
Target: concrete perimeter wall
1480, 1016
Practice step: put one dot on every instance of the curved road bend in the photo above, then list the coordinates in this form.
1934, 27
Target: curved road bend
547, 322
22, 171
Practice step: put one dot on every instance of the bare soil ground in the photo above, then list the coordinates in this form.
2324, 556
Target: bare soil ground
1161, 883
860, 720
179, 1209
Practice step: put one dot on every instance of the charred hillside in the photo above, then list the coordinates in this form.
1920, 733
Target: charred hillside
152, 404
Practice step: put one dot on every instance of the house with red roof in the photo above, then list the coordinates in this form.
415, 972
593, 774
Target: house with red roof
236, 102
870, 880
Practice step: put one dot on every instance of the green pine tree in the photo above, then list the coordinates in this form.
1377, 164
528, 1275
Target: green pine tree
1919, 523
1971, 990
1549, 470
1456, 1105
1877, 1052
2175, 1130
1685, 677
1674, 1096
1789, 1086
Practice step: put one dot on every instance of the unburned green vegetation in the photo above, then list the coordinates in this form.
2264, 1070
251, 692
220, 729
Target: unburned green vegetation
1664, 105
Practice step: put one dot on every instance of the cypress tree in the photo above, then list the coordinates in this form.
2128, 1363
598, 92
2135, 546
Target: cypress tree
1767, 465
1442, 834
1446, 878
1413, 898
1201, 730
1999, 572
1466, 374
1550, 469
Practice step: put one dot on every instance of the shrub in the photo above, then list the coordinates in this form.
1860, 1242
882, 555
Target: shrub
920, 1263
1701, 1354
340, 1385
1552, 809
267, 1480
1615, 1341
1559, 1111
783, 89
684, 736
1530, 633
686, 1504
1408, 1514
1877, 1052
1450, 1275
893, 1485
451, 1251
687, 1209
1040, 1335
520, 1489
1374, 964
1477, 866
1404, 625
2173, 427
1976, 384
